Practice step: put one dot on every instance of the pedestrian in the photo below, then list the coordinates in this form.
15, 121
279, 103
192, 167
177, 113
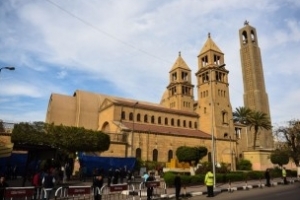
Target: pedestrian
97, 185
267, 176
209, 182
110, 176
116, 176
177, 185
284, 176
149, 187
3, 185
48, 182
37, 183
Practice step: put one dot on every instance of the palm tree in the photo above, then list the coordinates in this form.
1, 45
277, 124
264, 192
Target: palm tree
241, 115
258, 120
253, 119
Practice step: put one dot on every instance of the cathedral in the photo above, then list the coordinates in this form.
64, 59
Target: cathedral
189, 114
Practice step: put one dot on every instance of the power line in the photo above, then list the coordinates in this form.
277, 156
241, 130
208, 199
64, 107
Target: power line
105, 33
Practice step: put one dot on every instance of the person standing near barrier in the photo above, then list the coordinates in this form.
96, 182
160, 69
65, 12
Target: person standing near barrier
3, 185
209, 182
177, 185
267, 176
284, 176
36, 182
97, 185
48, 182
149, 188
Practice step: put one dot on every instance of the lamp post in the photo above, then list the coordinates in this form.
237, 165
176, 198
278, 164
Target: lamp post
133, 117
8, 68
212, 122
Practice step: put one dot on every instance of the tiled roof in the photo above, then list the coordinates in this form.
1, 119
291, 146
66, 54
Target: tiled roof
155, 107
152, 128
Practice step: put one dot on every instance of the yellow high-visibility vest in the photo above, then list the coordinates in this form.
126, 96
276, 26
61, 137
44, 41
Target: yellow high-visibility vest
209, 179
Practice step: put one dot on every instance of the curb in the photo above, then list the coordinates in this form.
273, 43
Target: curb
232, 189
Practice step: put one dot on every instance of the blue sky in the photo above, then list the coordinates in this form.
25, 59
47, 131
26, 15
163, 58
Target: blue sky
112, 46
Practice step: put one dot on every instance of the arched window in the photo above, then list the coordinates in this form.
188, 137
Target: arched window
166, 121
159, 120
138, 117
244, 37
152, 119
145, 118
252, 36
123, 115
195, 125
184, 123
178, 122
170, 155
131, 116
172, 122
190, 124
155, 155
138, 153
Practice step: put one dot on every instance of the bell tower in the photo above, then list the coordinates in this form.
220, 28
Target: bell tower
179, 94
214, 105
255, 95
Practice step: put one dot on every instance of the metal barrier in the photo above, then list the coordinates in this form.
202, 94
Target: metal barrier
75, 192
159, 189
14, 193
117, 192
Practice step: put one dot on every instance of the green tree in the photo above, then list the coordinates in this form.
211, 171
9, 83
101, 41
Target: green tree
190, 154
244, 165
258, 120
288, 139
69, 139
241, 115
253, 119
280, 157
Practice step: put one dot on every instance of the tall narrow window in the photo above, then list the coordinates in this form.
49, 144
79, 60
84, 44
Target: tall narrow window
138, 153
155, 155
145, 118
138, 117
131, 116
152, 120
170, 155
159, 120
244, 37
123, 114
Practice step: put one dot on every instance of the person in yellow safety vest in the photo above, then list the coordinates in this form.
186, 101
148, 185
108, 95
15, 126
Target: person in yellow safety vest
209, 182
284, 175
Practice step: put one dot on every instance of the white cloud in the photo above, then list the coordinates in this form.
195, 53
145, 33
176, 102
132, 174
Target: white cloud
59, 45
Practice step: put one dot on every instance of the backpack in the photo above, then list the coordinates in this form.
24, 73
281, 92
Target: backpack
48, 182
36, 181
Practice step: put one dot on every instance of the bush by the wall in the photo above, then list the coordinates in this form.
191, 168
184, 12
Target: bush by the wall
244, 165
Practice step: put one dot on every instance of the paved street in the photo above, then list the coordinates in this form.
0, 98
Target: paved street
288, 192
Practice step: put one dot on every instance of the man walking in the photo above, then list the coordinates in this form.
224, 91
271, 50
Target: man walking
209, 182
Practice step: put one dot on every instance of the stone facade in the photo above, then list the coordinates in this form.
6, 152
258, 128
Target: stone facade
153, 131
255, 95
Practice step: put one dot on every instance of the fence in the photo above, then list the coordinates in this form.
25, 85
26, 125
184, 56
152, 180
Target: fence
159, 189
124, 191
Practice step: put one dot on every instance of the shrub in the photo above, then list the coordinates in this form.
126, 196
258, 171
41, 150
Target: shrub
255, 175
169, 178
244, 165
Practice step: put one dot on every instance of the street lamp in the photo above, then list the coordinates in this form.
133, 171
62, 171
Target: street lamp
136, 103
212, 122
8, 68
